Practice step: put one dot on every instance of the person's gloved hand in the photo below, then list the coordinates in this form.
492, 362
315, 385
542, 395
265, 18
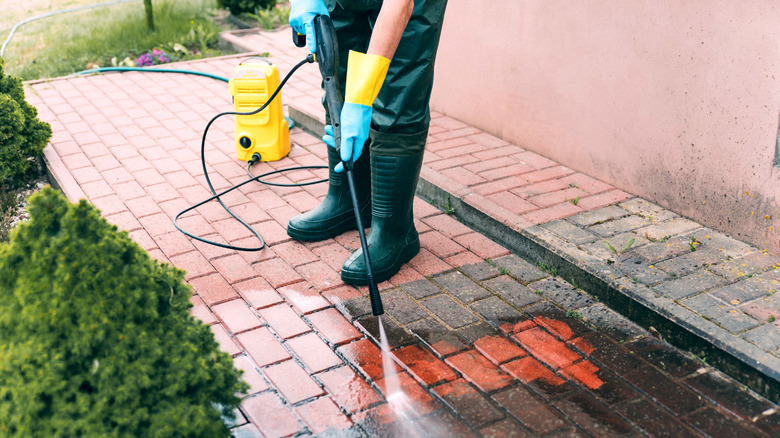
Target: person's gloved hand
302, 13
365, 75
328, 137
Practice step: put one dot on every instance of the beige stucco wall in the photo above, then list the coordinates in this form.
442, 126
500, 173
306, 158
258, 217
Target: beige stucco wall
675, 101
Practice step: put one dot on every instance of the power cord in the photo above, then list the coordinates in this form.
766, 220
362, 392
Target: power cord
255, 158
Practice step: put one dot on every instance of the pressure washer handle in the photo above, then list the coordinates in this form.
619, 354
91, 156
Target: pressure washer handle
299, 39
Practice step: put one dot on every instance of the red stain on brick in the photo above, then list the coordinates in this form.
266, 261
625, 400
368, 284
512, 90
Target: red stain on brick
499, 349
529, 369
425, 366
582, 345
557, 328
477, 369
585, 373
365, 355
546, 348
519, 327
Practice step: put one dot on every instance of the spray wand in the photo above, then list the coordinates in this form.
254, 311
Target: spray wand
327, 57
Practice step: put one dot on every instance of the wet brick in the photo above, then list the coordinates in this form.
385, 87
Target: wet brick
480, 271
350, 390
420, 289
333, 327
715, 423
356, 307
366, 356
605, 384
304, 298
292, 381
613, 356
450, 312
520, 269
469, 403
593, 416
424, 366
397, 336
689, 285
594, 217
639, 270
663, 356
532, 412
506, 428
546, 348
262, 346
284, 320
499, 349
461, 286
722, 314
527, 369
655, 420
478, 331
269, 414
497, 312
442, 423
315, 354
749, 264
770, 423
323, 415
570, 232
766, 336
419, 398
401, 307
664, 390
440, 339
478, 370
512, 291
729, 394
237, 316
251, 375
611, 323
561, 292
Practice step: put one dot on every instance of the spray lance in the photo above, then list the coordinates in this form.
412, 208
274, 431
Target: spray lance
327, 57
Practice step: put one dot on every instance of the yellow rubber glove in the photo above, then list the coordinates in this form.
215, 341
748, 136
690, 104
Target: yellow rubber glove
365, 76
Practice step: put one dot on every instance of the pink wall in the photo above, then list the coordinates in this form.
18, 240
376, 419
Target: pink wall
675, 101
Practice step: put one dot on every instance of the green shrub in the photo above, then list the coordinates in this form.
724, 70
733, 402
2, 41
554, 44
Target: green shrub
22, 135
239, 6
97, 339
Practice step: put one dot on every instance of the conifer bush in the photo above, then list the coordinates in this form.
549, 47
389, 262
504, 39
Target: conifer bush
22, 135
97, 339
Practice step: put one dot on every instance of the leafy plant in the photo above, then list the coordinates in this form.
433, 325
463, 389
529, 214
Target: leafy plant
22, 135
624, 249
575, 201
573, 314
97, 338
448, 209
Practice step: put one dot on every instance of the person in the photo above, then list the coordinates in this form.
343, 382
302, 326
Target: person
386, 54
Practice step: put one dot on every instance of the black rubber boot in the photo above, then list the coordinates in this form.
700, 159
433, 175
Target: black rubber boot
393, 239
335, 214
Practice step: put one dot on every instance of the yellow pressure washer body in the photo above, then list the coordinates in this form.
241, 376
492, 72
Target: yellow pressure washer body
265, 133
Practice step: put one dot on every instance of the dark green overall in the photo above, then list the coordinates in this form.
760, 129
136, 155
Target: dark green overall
393, 158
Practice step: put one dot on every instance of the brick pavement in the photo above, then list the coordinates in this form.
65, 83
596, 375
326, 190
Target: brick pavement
485, 343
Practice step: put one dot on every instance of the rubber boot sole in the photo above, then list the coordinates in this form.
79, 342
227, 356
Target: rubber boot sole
361, 278
348, 224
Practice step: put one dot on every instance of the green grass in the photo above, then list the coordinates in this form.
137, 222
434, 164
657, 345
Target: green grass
72, 42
